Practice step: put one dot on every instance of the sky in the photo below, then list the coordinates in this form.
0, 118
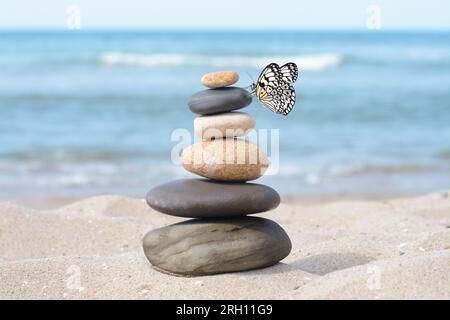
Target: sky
228, 14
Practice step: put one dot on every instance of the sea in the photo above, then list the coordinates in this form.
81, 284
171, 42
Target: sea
93, 112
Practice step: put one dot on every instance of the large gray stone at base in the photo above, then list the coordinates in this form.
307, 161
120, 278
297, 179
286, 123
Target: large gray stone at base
213, 101
208, 246
202, 198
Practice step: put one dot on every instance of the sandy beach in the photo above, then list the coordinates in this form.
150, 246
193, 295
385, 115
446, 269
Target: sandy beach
342, 249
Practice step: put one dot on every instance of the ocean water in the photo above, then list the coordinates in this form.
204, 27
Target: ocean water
85, 113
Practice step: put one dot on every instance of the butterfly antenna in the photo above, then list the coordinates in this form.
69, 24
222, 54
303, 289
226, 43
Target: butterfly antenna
253, 82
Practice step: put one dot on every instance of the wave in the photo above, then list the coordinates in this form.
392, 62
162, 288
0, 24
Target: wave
87, 177
425, 60
313, 62
445, 154
353, 169
369, 168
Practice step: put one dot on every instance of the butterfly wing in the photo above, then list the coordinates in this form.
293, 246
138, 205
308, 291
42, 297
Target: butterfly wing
283, 99
274, 87
267, 84
289, 72
268, 80
288, 99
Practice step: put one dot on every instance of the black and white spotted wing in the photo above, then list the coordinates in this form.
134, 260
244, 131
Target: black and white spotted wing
289, 72
275, 89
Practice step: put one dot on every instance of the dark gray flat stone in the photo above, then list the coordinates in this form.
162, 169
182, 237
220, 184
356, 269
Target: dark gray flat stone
219, 100
202, 198
208, 246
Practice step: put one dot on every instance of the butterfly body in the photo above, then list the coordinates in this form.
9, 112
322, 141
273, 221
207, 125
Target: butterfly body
275, 89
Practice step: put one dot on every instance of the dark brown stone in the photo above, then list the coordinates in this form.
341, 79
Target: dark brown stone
208, 246
201, 198
219, 100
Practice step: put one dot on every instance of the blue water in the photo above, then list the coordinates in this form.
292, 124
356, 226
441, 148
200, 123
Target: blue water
86, 113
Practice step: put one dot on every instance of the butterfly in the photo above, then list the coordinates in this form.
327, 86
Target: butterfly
275, 89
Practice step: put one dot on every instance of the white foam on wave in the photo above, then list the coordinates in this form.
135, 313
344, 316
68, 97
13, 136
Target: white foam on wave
315, 173
313, 62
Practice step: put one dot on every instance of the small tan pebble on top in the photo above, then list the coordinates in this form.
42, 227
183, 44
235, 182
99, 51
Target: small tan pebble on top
220, 79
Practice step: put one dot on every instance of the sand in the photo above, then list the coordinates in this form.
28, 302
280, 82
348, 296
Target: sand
91, 249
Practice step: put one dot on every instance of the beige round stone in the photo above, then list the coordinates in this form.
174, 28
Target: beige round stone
230, 124
220, 79
225, 160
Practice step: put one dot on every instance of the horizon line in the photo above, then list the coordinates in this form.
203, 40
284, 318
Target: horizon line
233, 29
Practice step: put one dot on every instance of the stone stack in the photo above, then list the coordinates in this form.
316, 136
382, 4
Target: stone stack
221, 237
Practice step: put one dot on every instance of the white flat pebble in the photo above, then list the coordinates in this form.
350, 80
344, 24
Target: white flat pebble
229, 124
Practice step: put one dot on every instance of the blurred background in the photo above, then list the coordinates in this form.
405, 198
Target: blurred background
90, 93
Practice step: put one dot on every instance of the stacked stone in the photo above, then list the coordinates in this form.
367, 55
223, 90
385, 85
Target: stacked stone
221, 237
